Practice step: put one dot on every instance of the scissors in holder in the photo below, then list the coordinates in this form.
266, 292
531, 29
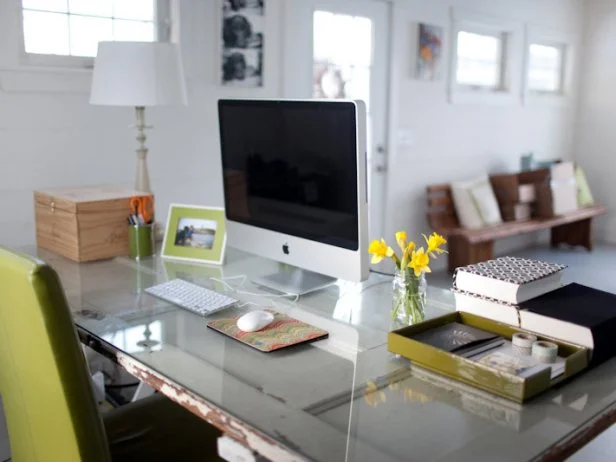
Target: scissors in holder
142, 207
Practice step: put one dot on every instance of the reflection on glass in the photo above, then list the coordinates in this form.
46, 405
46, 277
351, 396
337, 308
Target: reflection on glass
545, 67
36, 33
479, 59
144, 337
86, 32
374, 394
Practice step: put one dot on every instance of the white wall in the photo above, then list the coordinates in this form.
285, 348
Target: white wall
596, 135
458, 141
51, 137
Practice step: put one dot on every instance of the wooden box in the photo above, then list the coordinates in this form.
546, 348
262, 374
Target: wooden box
83, 224
476, 374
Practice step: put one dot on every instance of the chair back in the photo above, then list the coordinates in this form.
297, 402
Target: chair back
44, 382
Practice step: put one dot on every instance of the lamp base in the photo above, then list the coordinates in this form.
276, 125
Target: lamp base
142, 179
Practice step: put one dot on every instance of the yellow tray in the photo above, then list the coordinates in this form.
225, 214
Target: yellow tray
479, 375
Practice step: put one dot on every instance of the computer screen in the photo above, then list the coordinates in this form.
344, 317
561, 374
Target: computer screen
291, 167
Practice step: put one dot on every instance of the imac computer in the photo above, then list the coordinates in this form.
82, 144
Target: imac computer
294, 174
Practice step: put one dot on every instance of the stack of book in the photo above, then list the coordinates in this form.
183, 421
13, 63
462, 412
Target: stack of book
529, 294
495, 289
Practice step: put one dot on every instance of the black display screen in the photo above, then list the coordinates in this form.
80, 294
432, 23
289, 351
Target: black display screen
291, 167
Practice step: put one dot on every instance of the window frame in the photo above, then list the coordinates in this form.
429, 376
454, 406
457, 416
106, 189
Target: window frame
162, 33
512, 36
568, 43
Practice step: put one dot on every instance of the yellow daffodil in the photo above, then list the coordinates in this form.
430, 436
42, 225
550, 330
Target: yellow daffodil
406, 254
419, 262
434, 243
380, 250
401, 239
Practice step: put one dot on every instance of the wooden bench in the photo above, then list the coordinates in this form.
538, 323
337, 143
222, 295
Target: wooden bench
467, 246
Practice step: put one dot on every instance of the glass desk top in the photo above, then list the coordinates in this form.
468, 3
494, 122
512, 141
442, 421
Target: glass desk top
344, 398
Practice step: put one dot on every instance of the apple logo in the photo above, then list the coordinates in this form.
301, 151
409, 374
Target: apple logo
285, 249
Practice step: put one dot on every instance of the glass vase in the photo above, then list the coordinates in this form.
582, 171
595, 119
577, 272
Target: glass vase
409, 297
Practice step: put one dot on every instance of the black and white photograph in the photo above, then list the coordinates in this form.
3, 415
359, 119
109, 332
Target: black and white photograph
242, 43
239, 31
244, 6
242, 68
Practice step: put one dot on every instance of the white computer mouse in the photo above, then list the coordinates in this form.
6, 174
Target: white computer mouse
254, 321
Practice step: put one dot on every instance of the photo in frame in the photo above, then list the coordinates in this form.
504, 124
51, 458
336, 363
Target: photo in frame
429, 61
195, 233
243, 27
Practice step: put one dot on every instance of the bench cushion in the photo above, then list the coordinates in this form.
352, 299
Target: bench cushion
465, 206
514, 228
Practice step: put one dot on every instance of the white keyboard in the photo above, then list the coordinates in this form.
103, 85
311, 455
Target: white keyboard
191, 297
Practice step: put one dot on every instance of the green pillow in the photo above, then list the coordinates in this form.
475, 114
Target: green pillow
584, 195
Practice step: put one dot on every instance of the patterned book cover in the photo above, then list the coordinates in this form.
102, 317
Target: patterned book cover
283, 332
514, 270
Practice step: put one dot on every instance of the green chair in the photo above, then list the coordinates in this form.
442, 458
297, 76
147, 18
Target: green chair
45, 386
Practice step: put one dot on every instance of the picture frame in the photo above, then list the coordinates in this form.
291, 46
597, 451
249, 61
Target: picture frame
195, 233
242, 31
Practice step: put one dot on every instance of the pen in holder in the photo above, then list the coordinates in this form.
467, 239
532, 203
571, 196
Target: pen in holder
141, 241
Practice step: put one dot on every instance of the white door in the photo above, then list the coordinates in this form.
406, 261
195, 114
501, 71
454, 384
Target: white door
339, 49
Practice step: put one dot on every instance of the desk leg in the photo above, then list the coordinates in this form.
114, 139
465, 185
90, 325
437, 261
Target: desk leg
577, 233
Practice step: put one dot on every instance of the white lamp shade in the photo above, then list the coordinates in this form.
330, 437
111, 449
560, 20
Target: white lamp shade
138, 74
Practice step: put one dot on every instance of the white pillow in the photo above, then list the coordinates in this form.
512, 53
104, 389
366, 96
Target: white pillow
486, 202
466, 208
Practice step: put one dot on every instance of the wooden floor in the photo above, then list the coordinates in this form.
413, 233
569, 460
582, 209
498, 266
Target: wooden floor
595, 269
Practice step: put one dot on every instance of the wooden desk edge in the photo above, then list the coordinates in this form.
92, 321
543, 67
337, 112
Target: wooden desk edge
269, 448
581, 436
229, 425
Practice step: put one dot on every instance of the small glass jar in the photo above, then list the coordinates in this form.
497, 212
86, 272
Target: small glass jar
409, 297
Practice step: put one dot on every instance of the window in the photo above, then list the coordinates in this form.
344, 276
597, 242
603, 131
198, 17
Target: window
487, 60
73, 28
546, 68
480, 61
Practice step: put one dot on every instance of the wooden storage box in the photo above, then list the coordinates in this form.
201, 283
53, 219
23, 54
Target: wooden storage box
476, 374
83, 224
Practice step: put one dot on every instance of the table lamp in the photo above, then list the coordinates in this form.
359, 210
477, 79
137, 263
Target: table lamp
138, 74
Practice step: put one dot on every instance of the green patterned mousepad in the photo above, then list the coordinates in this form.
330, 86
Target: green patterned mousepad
283, 332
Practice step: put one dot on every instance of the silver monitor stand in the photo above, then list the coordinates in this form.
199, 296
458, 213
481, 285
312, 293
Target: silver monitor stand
295, 281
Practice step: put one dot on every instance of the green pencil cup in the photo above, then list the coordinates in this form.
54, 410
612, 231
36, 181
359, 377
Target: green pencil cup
140, 241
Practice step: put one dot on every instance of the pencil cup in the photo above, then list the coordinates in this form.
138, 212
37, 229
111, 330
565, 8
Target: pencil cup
140, 241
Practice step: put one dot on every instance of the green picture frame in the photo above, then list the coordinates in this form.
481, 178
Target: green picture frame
195, 233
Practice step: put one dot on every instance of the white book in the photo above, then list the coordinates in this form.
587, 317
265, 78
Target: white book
509, 279
487, 307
